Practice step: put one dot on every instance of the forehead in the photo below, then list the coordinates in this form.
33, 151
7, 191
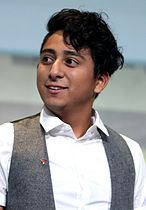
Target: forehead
56, 42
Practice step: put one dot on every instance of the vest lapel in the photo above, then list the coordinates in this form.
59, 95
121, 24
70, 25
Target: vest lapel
122, 170
30, 185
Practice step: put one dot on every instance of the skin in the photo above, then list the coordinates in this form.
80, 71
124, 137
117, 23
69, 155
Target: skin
67, 84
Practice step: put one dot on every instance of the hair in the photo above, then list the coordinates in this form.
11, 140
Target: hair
83, 29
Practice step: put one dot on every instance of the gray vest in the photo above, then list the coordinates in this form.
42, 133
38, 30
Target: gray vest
30, 185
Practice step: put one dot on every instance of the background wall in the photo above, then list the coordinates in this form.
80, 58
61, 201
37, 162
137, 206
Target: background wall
22, 24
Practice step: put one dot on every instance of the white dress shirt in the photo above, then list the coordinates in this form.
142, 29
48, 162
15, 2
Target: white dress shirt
79, 168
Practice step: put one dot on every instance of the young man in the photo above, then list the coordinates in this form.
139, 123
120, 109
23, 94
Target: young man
65, 158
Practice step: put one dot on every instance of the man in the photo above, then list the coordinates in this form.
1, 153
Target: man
66, 158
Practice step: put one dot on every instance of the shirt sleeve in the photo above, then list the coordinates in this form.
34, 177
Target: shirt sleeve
140, 179
6, 145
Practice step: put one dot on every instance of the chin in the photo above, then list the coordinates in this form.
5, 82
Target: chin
55, 107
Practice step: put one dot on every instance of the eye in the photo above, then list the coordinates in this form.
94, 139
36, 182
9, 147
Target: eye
46, 59
71, 62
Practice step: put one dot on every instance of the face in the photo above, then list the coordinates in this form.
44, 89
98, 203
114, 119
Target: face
65, 77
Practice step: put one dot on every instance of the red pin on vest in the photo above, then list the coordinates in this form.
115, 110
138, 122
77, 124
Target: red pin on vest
43, 161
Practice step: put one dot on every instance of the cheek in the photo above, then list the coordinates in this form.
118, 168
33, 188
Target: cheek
40, 79
41, 75
84, 85
86, 80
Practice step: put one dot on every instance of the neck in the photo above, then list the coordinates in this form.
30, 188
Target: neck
79, 121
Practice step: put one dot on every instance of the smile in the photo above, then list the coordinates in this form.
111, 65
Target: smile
55, 89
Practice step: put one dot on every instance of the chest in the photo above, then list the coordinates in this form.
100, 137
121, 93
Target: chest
80, 173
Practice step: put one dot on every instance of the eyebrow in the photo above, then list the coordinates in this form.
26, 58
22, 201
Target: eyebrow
48, 51
66, 52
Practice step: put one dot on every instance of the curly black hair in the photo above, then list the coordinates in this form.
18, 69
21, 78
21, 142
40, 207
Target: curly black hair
88, 30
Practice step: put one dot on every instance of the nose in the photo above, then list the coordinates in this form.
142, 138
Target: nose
56, 71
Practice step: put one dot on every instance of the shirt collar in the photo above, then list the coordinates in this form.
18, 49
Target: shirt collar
49, 121
98, 122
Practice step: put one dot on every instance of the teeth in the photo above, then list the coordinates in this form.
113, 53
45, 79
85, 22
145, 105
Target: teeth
55, 88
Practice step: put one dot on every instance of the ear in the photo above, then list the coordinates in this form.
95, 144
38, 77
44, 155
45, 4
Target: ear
101, 82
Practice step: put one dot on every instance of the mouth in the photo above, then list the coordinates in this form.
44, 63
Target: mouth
55, 89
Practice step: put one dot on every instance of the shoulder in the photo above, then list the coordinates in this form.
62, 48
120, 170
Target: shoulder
140, 171
6, 139
133, 146
6, 146
6, 131
136, 152
27, 122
